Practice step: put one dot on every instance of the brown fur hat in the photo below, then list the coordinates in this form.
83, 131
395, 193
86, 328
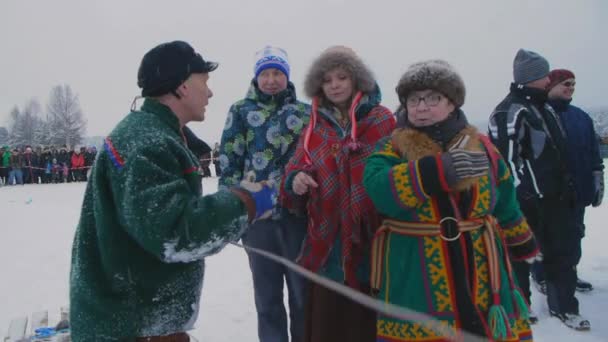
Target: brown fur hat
333, 57
434, 74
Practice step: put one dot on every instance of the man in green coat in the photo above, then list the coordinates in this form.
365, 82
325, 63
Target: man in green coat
144, 230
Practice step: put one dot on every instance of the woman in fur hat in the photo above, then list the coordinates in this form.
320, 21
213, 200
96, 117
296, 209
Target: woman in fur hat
324, 178
452, 218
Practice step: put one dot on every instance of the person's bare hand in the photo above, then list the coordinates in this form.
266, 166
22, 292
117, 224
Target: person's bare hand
302, 183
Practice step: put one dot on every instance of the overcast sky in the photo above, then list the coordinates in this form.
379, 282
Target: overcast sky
96, 46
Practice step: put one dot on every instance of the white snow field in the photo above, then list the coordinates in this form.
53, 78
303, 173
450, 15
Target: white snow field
37, 224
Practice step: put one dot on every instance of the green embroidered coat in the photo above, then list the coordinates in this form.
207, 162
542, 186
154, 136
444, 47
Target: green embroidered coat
415, 271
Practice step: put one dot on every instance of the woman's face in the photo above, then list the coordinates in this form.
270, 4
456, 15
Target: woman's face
427, 107
338, 87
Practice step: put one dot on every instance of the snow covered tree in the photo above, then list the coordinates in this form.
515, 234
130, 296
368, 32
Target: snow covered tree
65, 117
44, 134
4, 136
600, 120
24, 124
14, 124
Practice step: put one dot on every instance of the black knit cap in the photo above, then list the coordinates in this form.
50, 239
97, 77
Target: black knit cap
167, 66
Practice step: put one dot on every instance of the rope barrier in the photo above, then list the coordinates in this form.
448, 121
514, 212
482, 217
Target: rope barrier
43, 168
453, 334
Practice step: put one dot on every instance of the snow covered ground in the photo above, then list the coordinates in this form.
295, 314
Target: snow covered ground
37, 224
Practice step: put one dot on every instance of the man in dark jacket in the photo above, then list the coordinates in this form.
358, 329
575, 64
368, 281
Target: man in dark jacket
16, 167
30, 161
89, 158
530, 136
583, 159
201, 149
145, 228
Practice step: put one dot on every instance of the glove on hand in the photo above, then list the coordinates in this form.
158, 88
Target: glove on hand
460, 164
264, 194
598, 185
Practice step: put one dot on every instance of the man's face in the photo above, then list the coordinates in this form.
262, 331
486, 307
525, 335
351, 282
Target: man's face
563, 90
196, 93
272, 81
540, 83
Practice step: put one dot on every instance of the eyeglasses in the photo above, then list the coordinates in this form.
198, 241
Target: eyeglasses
569, 84
430, 100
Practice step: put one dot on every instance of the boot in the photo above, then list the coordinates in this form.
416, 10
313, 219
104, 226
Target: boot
532, 317
583, 286
541, 286
573, 321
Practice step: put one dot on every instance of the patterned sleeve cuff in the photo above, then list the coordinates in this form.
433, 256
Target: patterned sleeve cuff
524, 251
520, 240
247, 200
288, 187
288, 199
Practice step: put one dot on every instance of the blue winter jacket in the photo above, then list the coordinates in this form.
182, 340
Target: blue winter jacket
260, 135
583, 155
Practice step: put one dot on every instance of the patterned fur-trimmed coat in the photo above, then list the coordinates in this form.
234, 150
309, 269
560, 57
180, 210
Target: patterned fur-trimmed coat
415, 271
341, 216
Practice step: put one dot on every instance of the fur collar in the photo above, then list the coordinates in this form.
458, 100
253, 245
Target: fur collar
412, 144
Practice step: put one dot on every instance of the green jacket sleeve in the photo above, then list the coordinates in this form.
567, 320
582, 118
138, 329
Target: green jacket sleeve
165, 215
518, 235
392, 183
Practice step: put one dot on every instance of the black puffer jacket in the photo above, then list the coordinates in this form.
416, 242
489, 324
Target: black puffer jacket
528, 133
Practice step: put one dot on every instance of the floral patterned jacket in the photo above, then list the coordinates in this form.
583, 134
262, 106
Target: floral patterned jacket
260, 135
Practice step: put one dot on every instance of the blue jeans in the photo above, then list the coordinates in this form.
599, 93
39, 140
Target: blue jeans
15, 176
282, 237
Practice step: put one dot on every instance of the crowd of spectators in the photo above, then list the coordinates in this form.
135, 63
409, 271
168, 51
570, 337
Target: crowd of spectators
45, 164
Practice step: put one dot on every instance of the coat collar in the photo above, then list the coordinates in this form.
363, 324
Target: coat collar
412, 144
560, 105
536, 96
163, 112
286, 96
442, 132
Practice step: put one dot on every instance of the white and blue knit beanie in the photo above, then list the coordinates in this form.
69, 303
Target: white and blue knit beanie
271, 57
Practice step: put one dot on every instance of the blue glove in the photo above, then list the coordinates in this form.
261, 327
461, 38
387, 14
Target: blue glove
264, 194
45, 332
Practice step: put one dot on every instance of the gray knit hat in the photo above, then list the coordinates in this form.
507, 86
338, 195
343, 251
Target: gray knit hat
433, 74
528, 66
